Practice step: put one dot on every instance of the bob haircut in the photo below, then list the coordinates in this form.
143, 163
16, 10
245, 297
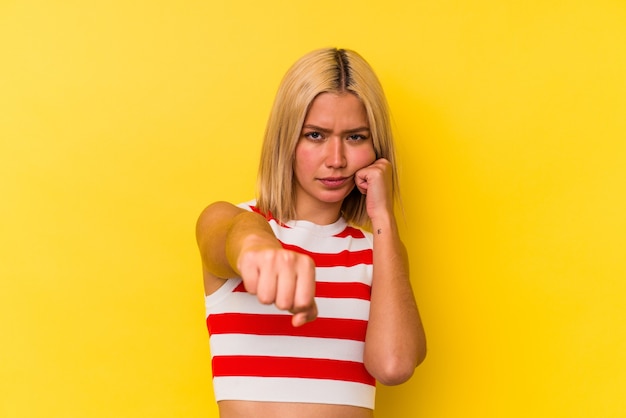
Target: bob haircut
327, 70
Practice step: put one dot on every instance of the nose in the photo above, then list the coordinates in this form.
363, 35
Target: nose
335, 153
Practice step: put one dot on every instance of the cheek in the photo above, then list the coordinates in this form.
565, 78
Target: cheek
365, 156
303, 161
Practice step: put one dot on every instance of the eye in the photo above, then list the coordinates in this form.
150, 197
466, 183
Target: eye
313, 135
357, 137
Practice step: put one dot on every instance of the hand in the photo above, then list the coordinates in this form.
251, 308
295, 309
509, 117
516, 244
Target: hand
282, 277
376, 182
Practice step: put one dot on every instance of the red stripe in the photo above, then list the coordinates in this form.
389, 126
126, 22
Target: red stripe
265, 366
257, 210
344, 258
257, 324
332, 290
342, 290
350, 232
268, 217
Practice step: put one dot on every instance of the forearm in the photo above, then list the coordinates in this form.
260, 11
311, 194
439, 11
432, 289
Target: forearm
395, 341
223, 230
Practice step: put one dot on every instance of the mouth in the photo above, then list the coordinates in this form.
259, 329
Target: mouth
334, 182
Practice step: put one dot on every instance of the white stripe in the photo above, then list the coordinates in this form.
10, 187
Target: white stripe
317, 240
286, 346
343, 308
294, 390
217, 296
361, 273
245, 303
323, 245
240, 302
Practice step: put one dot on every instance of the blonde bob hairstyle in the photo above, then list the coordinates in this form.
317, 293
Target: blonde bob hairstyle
321, 71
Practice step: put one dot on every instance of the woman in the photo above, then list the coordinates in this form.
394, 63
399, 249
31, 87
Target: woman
306, 308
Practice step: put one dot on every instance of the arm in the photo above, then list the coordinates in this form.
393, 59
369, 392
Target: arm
237, 243
395, 342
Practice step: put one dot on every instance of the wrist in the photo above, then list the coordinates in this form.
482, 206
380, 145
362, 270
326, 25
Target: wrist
384, 223
248, 232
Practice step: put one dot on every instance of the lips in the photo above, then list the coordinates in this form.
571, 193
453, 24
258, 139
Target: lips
334, 182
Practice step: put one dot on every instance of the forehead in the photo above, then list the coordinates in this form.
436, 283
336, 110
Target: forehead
337, 108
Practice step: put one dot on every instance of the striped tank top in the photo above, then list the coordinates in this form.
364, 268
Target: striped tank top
257, 355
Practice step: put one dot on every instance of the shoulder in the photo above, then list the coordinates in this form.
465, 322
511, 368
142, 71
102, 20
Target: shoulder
216, 211
219, 209
215, 214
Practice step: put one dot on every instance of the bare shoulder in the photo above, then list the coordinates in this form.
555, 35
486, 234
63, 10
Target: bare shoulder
212, 218
217, 212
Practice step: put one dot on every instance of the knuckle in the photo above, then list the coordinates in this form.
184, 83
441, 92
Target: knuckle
268, 256
283, 304
307, 262
287, 256
264, 298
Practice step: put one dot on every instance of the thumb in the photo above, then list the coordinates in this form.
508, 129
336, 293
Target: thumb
302, 317
360, 180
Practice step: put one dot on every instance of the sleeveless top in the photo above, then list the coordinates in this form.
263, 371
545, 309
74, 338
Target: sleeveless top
257, 355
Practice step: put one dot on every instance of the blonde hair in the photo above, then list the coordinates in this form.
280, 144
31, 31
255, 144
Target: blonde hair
320, 71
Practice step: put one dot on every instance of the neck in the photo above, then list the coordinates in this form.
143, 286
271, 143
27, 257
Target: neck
319, 215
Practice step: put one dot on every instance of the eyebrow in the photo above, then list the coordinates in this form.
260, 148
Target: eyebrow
347, 131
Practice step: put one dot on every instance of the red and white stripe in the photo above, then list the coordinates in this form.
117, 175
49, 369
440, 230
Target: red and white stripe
258, 355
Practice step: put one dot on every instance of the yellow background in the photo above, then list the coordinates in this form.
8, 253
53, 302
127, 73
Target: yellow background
120, 121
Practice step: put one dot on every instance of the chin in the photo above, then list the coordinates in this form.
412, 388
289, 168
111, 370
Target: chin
333, 197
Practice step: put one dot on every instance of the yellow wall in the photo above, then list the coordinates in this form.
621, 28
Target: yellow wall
120, 121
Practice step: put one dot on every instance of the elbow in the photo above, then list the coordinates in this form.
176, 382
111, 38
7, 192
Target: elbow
420, 355
393, 372
396, 370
